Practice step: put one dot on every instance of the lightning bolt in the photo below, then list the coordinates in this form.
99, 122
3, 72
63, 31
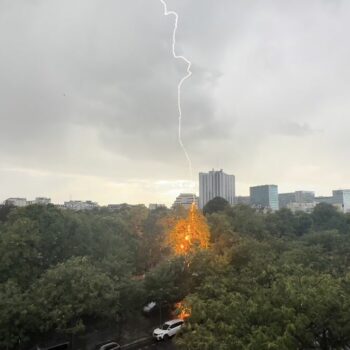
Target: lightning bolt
179, 86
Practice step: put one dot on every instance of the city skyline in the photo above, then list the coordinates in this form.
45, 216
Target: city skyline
168, 198
90, 113
297, 195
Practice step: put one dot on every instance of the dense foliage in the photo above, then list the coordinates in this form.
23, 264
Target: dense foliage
268, 280
284, 282
61, 270
215, 205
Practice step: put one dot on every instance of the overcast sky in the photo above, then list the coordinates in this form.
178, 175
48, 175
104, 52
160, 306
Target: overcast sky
88, 96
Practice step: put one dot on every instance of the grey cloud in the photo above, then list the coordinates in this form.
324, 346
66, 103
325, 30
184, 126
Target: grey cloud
290, 128
89, 87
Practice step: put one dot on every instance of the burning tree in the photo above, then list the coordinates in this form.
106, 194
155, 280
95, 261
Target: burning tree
183, 310
189, 234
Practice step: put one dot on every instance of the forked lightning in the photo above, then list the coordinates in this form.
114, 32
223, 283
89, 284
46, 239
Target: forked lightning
179, 86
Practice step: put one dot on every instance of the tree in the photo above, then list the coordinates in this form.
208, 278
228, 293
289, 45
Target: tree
327, 217
297, 311
167, 282
281, 222
151, 249
189, 234
215, 205
14, 321
67, 294
222, 234
5, 210
20, 256
303, 223
249, 280
247, 220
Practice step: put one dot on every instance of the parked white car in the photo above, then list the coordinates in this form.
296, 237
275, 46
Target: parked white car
168, 329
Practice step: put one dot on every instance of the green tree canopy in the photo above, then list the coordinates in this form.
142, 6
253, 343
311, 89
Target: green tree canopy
216, 204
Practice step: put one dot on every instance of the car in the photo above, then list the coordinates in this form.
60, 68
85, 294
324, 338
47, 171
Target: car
168, 329
110, 346
149, 307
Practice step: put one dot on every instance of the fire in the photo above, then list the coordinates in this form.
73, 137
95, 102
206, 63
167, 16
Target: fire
182, 311
190, 233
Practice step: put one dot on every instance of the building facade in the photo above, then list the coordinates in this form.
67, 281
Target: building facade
185, 200
324, 199
299, 197
216, 184
16, 202
80, 205
154, 206
245, 200
342, 199
42, 201
305, 207
265, 197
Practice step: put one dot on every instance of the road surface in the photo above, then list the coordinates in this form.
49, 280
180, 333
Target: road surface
165, 345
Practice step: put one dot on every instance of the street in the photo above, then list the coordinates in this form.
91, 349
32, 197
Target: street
166, 345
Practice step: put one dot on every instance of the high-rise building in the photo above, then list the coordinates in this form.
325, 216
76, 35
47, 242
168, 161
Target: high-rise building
342, 198
185, 200
216, 184
265, 196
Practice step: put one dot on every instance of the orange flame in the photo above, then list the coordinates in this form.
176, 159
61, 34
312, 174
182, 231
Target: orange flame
190, 233
183, 311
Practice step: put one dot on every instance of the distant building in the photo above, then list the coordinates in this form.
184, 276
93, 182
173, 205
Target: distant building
154, 206
123, 206
265, 196
216, 184
299, 197
242, 200
80, 205
324, 199
304, 196
305, 207
115, 207
286, 198
342, 198
41, 200
16, 202
185, 200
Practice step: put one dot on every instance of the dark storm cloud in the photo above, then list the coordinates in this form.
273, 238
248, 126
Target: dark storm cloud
102, 65
88, 87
